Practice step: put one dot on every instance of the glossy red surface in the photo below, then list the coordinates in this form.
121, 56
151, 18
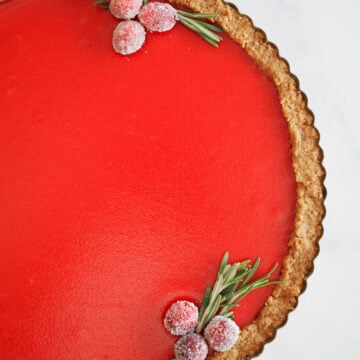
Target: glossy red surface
123, 180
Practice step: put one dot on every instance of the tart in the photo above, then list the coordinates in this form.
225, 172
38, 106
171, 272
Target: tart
124, 179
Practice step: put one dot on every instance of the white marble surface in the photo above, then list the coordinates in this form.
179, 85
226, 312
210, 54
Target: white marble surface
320, 41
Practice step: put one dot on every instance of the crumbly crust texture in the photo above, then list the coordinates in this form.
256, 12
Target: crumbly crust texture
309, 173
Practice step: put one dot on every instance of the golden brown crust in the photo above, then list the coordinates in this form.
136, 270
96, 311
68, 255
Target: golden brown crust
309, 174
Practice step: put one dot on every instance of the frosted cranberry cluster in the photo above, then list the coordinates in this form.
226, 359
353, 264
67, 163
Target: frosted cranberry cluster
129, 35
220, 334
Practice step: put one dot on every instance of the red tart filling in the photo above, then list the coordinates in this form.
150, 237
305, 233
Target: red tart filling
123, 180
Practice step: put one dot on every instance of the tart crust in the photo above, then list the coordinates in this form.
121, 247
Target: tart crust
309, 174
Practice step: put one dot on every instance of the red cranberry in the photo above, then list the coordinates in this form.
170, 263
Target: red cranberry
125, 9
181, 318
191, 347
221, 333
157, 16
128, 37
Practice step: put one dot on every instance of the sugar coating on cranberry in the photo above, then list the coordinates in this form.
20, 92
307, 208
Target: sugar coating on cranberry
128, 37
191, 347
181, 318
157, 16
125, 9
221, 333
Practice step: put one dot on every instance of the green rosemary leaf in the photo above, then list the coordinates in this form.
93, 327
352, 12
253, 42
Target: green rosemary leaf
201, 30
274, 283
230, 274
227, 297
212, 27
223, 262
104, 6
205, 37
229, 315
189, 25
197, 16
217, 287
206, 300
229, 290
262, 281
204, 30
145, 2
226, 269
225, 309
241, 294
238, 278
214, 310
209, 39
251, 272
246, 291
271, 271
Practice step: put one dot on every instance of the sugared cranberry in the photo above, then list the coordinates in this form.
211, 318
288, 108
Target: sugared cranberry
157, 16
125, 9
191, 347
221, 333
128, 37
181, 318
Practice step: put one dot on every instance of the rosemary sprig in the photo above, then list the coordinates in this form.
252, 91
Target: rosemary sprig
205, 30
232, 285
